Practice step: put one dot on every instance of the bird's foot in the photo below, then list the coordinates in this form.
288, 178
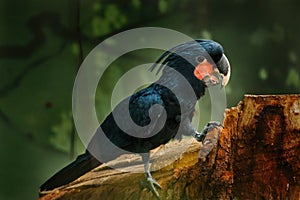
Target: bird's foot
210, 125
150, 183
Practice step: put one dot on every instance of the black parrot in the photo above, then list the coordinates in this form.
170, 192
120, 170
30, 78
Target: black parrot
157, 113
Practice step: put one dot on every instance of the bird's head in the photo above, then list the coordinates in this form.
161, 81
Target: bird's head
215, 68
198, 60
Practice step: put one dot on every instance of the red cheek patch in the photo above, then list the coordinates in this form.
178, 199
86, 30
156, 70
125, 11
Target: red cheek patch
203, 69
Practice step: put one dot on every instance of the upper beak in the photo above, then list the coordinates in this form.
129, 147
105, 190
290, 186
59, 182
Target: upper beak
224, 68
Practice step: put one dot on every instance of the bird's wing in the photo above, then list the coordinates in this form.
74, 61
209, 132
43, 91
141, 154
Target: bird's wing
131, 118
147, 111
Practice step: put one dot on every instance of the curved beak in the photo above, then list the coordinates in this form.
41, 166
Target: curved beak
224, 69
213, 74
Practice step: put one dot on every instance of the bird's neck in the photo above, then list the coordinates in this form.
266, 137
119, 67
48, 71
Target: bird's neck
189, 88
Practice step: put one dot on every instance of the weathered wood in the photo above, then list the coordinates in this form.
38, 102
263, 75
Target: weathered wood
257, 157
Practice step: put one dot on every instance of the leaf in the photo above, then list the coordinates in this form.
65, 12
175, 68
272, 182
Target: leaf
100, 26
206, 34
61, 133
292, 57
75, 48
112, 13
162, 6
263, 74
136, 3
293, 78
97, 6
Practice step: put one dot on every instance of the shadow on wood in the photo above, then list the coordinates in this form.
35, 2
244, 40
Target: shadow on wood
256, 157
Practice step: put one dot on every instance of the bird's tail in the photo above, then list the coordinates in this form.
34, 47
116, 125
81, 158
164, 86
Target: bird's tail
83, 163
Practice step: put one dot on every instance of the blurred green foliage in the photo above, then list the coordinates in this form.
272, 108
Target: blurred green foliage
43, 42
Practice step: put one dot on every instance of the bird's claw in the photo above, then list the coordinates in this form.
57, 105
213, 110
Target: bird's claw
200, 136
210, 125
150, 183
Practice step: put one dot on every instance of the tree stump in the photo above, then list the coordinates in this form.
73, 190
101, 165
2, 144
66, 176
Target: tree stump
256, 157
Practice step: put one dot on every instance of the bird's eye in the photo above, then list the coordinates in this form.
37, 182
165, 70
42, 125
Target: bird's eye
200, 59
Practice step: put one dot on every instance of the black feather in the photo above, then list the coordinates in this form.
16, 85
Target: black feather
208, 49
71, 172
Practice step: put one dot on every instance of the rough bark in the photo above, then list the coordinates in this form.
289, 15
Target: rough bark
256, 157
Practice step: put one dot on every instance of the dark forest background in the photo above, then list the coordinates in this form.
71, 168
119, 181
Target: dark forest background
42, 44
